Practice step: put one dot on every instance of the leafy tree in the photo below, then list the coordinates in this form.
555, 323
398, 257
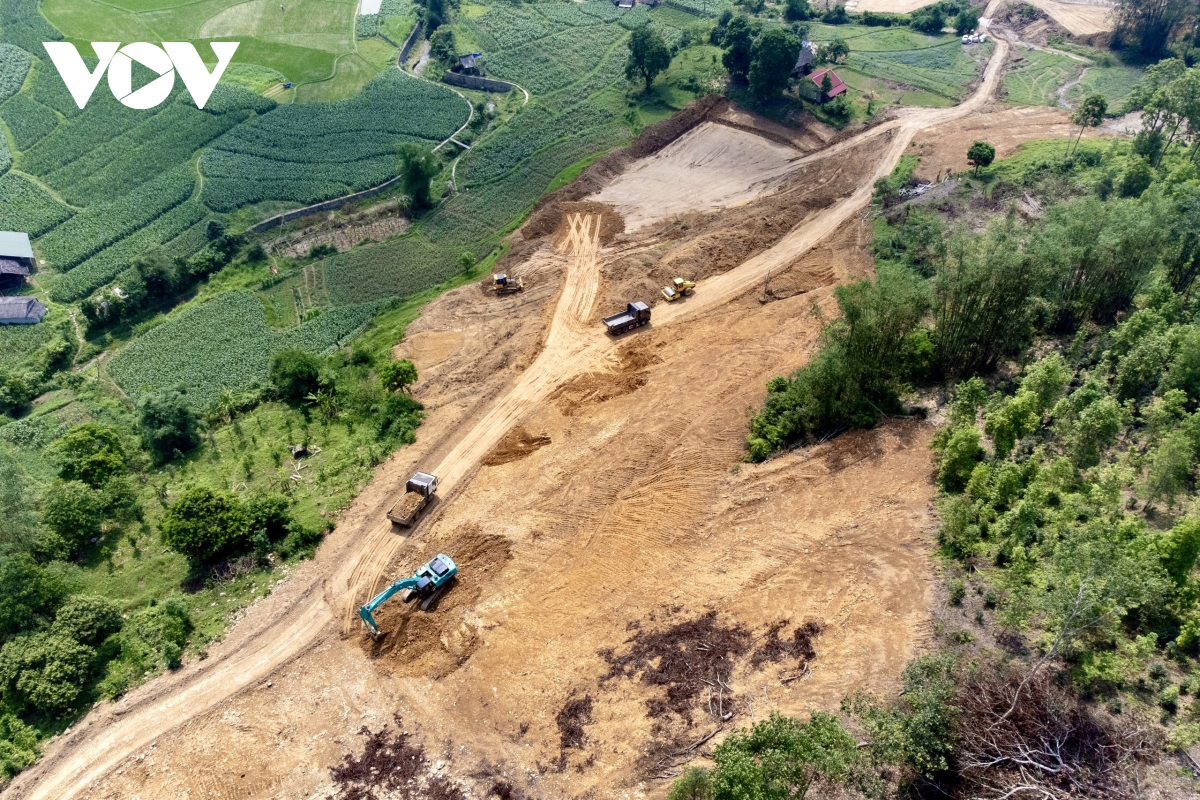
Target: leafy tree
435, 13
839, 106
694, 784
834, 51
1136, 179
930, 19
168, 424
959, 457
648, 55
1180, 548
418, 167
295, 373
779, 758
856, 374
738, 42
967, 20
44, 670
980, 154
158, 272
91, 453
918, 730
835, 15
27, 592
442, 45
982, 292
1150, 23
826, 83
16, 390
1089, 114
74, 511
205, 525
772, 59
397, 376
268, 516
87, 619
20, 745
797, 10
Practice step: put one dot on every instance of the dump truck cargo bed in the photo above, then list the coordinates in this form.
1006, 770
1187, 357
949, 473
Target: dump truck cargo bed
407, 508
635, 315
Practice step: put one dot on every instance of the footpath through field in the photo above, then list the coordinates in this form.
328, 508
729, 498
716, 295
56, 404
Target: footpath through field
261, 644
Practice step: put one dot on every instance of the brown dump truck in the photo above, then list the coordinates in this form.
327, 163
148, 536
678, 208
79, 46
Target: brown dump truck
417, 494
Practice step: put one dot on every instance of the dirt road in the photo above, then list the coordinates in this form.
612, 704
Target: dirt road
305, 607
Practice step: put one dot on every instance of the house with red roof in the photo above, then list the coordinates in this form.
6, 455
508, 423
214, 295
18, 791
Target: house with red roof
817, 78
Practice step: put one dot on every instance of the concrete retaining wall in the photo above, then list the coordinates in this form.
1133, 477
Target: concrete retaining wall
475, 82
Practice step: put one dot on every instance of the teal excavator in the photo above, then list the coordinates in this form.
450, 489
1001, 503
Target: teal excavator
428, 583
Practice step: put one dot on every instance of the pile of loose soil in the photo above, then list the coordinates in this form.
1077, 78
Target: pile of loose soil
516, 444
437, 642
592, 388
407, 504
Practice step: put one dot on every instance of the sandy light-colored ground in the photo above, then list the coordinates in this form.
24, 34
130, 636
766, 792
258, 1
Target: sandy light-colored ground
712, 166
1079, 17
589, 491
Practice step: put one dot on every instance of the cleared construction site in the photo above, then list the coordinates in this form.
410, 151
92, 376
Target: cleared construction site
599, 589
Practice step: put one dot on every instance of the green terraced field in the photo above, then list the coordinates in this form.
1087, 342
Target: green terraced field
224, 343
1114, 83
1034, 81
301, 42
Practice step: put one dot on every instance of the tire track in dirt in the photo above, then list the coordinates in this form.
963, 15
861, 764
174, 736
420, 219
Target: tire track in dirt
572, 347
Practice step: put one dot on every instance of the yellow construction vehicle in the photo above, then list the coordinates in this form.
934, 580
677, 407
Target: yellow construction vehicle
503, 284
678, 288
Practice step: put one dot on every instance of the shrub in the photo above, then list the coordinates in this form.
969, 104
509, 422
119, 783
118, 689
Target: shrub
168, 424
295, 373
91, 453
784, 754
959, 457
87, 619
27, 592
74, 511
205, 525
44, 670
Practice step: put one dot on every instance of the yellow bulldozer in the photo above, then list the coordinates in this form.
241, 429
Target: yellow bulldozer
678, 288
504, 284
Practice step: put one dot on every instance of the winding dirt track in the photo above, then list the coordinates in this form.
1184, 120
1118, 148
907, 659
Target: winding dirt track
573, 347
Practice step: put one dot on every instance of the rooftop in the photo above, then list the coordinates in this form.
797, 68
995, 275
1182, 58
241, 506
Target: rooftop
15, 245
838, 86
21, 310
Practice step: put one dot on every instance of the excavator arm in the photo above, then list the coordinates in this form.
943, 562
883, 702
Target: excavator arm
367, 611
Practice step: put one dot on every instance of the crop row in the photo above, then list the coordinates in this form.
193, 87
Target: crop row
233, 180
99, 225
29, 120
306, 153
556, 61
399, 267
25, 206
22, 25
164, 141
103, 120
567, 15
704, 8
533, 129
224, 344
514, 26
14, 66
477, 213
111, 261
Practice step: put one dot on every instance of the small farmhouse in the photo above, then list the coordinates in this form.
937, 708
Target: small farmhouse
16, 260
468, 64
804, 61
624, 3
21, 311
817, 79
